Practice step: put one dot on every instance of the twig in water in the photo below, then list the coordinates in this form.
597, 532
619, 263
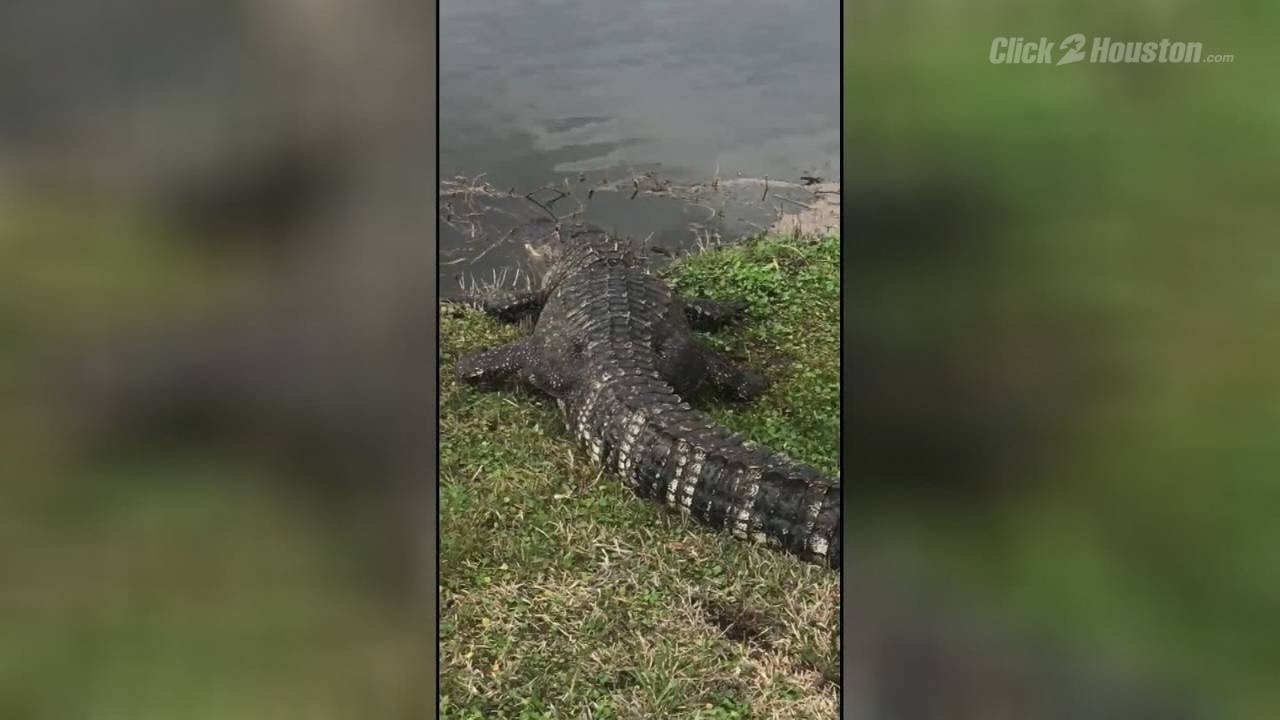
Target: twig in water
795, 202
713, 214
547, 210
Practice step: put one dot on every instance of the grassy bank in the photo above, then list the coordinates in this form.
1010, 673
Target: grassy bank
563, 595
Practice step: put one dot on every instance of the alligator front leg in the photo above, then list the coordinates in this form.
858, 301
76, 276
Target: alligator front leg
514, 307
494, 365
709, 315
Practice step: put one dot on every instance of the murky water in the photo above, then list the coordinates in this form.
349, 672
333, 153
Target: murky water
598, 91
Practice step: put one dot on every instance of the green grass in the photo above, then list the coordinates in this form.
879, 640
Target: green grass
564, 595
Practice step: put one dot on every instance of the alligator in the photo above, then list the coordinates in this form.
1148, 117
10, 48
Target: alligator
612, 344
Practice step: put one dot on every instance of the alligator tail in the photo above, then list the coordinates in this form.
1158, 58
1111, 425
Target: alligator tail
664, 450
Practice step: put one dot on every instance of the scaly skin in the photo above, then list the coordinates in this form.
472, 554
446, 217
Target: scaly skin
613, 346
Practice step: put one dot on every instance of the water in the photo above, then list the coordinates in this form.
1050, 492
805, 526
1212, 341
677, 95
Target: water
596, 91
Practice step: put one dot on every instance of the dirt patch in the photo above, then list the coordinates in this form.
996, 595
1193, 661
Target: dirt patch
817, 212
739, 623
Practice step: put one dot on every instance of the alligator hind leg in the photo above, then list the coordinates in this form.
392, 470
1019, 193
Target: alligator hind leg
705, 314
727, 378
494, 365
692, 367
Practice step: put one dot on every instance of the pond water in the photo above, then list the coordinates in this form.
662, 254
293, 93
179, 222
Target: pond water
598, 92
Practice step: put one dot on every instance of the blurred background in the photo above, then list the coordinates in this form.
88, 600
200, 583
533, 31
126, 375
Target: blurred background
1062, 388
215, 390
216, 384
